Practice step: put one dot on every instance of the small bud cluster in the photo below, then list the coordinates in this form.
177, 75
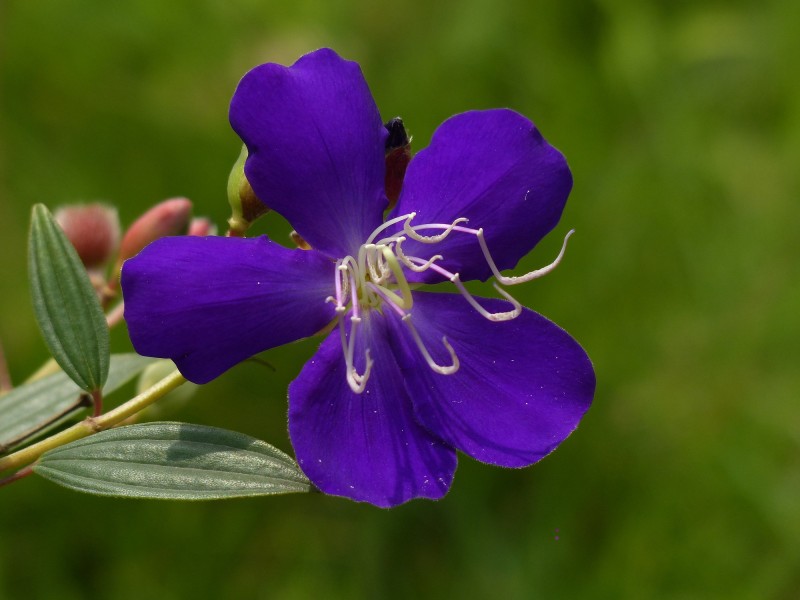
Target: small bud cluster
94, 230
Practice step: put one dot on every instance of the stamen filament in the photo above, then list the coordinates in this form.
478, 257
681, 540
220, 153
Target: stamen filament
443, 370
389, 223
390, 297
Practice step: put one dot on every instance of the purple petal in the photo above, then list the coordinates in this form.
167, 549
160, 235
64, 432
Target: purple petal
367, 446
522, 387
494, 168
316, 148
210, 302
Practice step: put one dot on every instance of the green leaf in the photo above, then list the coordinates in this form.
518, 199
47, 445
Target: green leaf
65, 304
41, 405
175, 461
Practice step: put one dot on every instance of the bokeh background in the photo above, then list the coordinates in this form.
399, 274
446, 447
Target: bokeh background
681, 121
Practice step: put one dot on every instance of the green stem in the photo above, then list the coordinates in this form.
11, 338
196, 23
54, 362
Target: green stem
92, 425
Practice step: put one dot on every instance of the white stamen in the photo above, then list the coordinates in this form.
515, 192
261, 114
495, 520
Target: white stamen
407, 261
375, 276
528, 276
388, 224
498, 316
372, 259
392, 299
443, 370
356, 382
455, 279
431, 239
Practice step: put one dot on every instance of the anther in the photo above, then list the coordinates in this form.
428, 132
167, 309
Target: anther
423, 266
455, 279
356, 382
528, 276
431, 239
496, 317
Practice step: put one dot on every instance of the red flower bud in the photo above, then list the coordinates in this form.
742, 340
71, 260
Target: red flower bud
170, 217
93, 229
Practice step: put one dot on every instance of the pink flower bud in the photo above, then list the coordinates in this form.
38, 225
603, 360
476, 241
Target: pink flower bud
201, 227
93, 229
170, 217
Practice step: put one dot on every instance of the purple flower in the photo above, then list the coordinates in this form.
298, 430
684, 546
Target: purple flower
406, 377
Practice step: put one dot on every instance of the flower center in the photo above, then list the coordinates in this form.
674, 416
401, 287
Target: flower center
375, 278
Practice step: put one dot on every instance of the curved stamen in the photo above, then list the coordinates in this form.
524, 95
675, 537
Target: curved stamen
431, 239
499, 316
337, 282
356, 382
528, 276
400, 278
423, 266
372, 266
389, 223
444, 370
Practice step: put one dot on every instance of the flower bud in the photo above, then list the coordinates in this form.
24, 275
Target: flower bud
170, 217
398, 155
201, 227
93, 229
246, 207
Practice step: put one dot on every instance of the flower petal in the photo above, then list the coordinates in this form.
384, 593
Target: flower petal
210, 302
316, 148
522, 387
494, 168
367, 446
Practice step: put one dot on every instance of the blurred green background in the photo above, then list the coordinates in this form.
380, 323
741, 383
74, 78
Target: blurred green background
681, 121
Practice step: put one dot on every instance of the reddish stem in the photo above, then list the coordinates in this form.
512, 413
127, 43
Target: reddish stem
97, 402
5, 378
17, 476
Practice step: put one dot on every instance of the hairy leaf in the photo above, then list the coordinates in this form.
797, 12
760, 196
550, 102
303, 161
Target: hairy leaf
65, 304
175, 461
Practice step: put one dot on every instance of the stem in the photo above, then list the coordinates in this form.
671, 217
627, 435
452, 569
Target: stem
83, 402
97, 402
16, 476
92, 425
5, 377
